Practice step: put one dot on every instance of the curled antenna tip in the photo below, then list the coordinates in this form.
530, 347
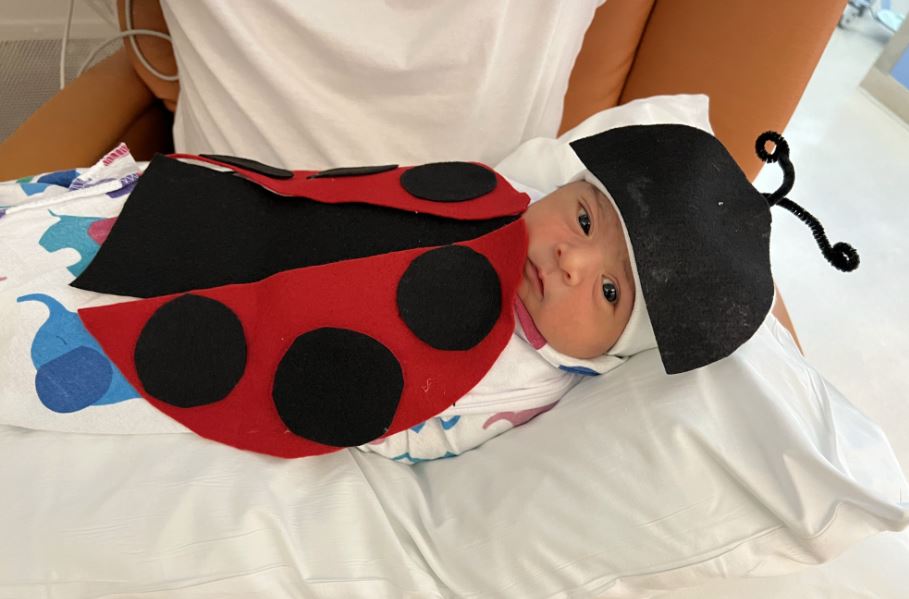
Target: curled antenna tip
760, 146
843, 256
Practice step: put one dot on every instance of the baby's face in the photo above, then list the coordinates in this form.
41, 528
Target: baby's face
577, 283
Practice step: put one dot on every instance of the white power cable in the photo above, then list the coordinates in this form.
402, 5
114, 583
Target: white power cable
129, 32
69, 21
128, 9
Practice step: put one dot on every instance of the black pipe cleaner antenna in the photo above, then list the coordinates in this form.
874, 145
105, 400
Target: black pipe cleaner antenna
841, 255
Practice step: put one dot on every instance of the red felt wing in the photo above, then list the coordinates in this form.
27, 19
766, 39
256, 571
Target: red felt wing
270, 403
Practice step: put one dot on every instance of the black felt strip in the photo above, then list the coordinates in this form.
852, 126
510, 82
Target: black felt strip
187, 227
450, 297
257, 167
338, 387
353, 171
448, 181
191, 352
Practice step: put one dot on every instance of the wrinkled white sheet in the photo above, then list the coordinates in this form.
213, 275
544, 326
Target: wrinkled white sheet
873, 569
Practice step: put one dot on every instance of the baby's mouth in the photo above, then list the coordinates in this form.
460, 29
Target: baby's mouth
533, 274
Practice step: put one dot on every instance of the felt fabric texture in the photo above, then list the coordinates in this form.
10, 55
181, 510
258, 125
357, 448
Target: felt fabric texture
189, 227
700, 234
252, 165
448, 181
353, 171
338, 353
449, 297
322, 380
189, 366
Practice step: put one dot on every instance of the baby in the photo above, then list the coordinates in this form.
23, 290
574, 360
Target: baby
574, 303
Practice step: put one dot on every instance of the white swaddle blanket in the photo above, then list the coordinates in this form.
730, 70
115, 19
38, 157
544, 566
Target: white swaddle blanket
519, 386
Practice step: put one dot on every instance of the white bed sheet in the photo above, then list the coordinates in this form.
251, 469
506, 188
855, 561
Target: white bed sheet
175, 516
876, 568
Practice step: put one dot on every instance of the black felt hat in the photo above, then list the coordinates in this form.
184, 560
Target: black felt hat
699, 233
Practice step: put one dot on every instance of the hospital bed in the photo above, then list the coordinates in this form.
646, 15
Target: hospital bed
637, 486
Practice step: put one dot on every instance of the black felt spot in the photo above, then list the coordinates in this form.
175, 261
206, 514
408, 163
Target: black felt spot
338, 387
191, 352
448, 181
188, 227
253, 165
353, 171
450, 297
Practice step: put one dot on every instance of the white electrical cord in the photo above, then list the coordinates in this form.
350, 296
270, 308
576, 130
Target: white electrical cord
128, 9
129, 32
69, 21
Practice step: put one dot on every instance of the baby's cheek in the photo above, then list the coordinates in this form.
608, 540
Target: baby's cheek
559, 329
574, 331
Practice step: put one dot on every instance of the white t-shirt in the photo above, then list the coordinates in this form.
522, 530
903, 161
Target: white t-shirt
312, 84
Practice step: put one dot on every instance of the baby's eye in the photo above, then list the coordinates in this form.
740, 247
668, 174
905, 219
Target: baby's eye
610, 292
584, 221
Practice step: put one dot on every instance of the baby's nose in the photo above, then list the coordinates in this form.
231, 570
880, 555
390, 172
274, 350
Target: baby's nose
574, 262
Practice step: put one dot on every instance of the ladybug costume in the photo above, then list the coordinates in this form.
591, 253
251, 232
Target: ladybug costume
335, 308
297, 312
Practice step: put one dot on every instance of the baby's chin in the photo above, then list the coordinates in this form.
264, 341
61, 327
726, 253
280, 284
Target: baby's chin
580, 353
560, 340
